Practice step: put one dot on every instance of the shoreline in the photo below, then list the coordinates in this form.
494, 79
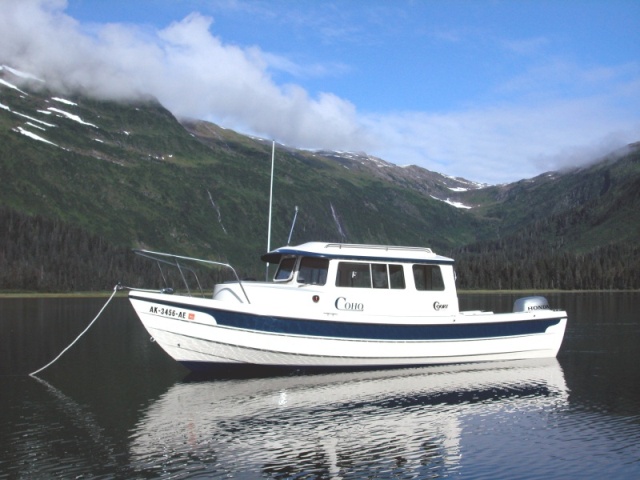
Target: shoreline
107, 293
102, 294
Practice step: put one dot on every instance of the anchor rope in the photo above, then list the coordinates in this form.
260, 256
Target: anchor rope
115, 290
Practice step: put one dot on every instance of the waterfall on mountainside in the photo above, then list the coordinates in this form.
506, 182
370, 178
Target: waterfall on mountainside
217, 210
343, 236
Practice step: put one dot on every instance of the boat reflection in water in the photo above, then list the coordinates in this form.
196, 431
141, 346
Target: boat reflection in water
410, 422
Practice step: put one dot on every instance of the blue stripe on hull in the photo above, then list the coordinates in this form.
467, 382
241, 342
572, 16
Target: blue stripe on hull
370, 331
373, 331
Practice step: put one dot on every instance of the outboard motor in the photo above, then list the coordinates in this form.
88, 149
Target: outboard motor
530, 304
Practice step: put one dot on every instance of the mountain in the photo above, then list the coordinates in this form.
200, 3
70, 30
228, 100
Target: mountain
578, 228
133, 175
582, 208
109, 176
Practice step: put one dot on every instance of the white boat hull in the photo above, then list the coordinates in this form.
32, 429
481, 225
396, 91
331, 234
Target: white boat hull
201, 333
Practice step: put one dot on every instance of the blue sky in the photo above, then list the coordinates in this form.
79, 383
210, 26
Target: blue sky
489, 90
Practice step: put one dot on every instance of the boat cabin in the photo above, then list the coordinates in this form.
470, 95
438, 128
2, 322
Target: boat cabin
376, 279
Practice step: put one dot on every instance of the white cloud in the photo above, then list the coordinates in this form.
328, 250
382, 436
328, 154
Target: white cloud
552, 114
505, 143
191, 71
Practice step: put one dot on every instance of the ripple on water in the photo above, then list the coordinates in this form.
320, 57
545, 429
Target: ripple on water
410, 424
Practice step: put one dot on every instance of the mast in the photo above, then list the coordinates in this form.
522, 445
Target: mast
273, 155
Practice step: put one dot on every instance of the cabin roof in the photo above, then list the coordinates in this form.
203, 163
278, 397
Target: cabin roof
358, 252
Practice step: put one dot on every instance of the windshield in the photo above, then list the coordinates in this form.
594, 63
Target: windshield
285, 269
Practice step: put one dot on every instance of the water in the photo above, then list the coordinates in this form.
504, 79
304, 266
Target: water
114, 406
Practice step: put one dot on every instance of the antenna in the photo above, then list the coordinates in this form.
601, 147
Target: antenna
273, 156
293, 224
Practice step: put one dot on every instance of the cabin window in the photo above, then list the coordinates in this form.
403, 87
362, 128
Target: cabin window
356, 275
428, 277
313, 270
379, 275
396, 276
285, 269
370, 275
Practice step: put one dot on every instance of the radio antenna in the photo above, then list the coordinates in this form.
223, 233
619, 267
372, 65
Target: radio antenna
293, 224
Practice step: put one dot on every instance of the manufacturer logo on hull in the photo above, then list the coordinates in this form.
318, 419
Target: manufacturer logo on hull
437, 306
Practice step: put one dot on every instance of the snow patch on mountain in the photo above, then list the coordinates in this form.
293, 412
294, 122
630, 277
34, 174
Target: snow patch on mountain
471, 185
34, 119
20, 74
31, 124
33, 136
11, 85
453, 203
62, 100
71, 116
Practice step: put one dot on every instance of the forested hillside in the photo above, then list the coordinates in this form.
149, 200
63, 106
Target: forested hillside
577, 229
39, 254
523, 264
578, 209
85, 181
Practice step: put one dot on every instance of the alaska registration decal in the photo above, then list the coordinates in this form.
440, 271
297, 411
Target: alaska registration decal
171, 313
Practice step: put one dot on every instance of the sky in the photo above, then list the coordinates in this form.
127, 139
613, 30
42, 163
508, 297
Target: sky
490, 90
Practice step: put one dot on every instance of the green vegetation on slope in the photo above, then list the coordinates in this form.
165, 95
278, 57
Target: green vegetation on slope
117, 176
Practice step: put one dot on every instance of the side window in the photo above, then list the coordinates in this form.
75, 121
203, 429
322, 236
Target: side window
285, 269
428, 277
396, 276
313, 270
355, 275
368, 275
379, 275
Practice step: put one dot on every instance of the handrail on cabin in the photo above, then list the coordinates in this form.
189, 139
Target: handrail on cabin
378, 247
176, 263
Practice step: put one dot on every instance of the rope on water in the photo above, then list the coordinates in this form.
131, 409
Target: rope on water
115, 290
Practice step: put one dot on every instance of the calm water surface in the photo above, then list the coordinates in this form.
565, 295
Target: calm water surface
114, 406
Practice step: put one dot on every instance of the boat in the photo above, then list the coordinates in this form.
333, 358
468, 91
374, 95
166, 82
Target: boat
338, 306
